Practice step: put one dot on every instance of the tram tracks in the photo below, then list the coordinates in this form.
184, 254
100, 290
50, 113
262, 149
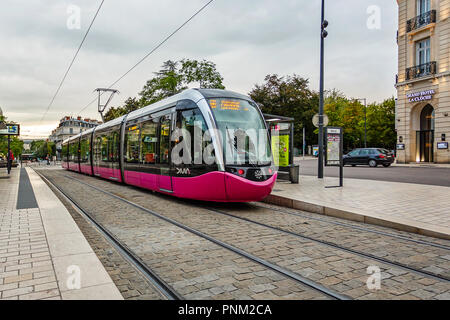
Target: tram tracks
274, 267
163, 288
255, 257
336, 246
351, 226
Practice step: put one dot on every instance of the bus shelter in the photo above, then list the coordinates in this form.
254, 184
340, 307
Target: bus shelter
283, 146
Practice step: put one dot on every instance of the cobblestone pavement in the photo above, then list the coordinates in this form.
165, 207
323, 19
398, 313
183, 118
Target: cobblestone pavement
415, 204
26, 269
418, 256
336, 269
131, 284
195, 267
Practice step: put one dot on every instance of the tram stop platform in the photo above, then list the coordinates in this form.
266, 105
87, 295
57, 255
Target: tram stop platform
43, 254
415, 208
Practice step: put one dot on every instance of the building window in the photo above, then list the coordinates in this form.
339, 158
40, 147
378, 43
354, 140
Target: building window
71, 130
423, 6
423, 51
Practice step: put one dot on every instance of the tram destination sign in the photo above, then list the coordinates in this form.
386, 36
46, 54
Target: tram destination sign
421, 96
10, 129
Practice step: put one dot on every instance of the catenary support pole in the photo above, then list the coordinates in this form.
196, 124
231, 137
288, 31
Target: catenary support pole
323, 35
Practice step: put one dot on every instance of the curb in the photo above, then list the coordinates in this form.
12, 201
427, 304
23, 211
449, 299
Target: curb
394, 223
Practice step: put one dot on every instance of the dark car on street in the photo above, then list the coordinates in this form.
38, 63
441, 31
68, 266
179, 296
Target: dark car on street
369, 156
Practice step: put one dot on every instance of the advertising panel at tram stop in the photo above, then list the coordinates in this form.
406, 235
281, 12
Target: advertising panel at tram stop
282, 142
280, 147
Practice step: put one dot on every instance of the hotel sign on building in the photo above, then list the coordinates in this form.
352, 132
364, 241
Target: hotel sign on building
423, 83
420, 96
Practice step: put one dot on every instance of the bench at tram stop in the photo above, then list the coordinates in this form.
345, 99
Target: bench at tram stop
281, 131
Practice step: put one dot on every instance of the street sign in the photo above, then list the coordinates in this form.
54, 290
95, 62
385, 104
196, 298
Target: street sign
11, 129
315, 120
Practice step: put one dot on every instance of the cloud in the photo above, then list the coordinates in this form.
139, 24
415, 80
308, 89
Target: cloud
246, 39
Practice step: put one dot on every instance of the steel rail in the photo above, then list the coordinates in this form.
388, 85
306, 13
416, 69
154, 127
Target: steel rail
342, 224
165, 289
336, 246
285, 272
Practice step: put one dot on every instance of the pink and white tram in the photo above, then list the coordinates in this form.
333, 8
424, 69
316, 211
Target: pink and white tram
137, 149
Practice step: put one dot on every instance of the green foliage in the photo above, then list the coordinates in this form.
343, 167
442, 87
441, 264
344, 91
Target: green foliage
381, 124
42, 148
289, 96
16, 145
174, 77
349, 114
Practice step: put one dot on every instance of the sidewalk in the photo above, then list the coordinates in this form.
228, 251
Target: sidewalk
414, 208
43, 254
421, 165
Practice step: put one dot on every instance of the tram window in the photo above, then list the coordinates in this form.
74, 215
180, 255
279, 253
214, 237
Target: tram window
189, 120
73, 149
113, 146
64, 152
243, 131
104, 147
84, 150
132, 144
165, 140
149, 142
98, 149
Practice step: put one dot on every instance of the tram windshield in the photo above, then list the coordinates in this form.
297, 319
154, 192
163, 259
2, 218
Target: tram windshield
243, 132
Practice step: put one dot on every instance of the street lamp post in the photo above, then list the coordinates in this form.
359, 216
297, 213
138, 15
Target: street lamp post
8, 158
365, 120
323, 35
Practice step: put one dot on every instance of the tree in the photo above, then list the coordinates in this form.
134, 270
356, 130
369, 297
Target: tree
16, 145
204, 72
174, 77
381, 124
289, 96
36, 145
42, 148
349, 114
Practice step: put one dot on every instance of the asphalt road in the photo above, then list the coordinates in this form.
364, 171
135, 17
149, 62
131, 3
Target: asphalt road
419, 175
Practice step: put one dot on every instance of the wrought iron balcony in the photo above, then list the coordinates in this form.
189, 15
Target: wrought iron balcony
421, 21
421, 70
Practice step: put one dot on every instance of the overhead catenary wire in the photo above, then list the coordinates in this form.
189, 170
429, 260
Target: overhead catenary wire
151, 52
72, 62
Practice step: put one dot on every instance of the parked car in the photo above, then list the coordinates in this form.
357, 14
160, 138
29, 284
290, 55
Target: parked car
4, 164
369, 156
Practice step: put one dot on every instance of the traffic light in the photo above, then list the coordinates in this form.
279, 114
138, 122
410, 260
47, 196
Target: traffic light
324, 26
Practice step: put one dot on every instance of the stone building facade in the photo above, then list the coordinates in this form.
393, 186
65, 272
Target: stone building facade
69, 127
423, 81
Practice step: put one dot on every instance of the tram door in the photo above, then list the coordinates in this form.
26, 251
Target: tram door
165, 179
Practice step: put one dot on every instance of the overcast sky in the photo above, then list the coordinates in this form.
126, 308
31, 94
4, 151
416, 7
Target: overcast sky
247, 39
